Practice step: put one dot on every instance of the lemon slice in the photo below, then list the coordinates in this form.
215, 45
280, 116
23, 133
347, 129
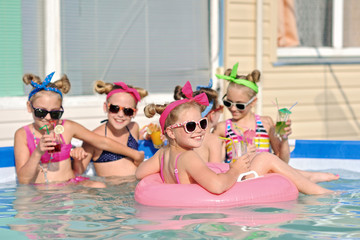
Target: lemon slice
59, 129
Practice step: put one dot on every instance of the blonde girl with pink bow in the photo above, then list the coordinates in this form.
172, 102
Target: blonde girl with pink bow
178, 163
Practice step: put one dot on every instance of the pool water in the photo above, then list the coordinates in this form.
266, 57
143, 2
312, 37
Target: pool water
75, 212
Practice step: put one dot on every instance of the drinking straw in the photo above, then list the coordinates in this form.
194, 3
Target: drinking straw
47, 130
293, 106
287, 113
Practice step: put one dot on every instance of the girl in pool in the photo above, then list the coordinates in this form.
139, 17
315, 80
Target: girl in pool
240, 99
184, 127
36, 159
212, 148
120, 106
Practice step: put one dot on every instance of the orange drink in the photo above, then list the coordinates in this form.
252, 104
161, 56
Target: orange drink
155, 135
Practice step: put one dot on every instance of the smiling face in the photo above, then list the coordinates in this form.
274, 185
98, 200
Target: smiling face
45, 100
120, 120
184, 139
239, 94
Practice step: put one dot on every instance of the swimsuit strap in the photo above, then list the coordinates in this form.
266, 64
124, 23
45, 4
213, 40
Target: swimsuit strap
176, 171
161, 168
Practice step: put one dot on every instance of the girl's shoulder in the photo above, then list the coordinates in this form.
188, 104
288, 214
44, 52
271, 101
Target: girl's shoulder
21, 131
267, 121
133, 126
219, 129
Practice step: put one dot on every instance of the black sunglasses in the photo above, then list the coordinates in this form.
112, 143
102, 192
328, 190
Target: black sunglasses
239, 106
116, 108
190, 126
41, 113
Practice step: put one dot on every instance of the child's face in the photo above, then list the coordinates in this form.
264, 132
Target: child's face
238, 95
48, 101
189, 140
121, 117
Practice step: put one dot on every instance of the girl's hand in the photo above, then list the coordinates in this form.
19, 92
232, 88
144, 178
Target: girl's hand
287, 129
78, 154
47, 143
242, 163
251, 148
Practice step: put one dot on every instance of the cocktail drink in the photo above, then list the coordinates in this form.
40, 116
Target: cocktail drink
238, 149
57, 147
58, 130
155, 134
280, 126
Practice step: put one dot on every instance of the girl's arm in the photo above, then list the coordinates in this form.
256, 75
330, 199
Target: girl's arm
101, 142
27, 166
150, 166
211, 181
216, 149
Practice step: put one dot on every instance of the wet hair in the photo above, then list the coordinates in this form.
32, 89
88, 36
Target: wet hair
151, 109
63, 85
104, 88
254, 77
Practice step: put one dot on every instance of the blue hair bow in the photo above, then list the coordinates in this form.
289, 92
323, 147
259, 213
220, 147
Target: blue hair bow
209, 107
208, 86
42, 86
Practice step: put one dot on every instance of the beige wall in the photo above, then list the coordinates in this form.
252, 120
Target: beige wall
322, 111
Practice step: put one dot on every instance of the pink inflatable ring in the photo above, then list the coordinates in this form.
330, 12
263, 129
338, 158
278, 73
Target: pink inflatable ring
151, 191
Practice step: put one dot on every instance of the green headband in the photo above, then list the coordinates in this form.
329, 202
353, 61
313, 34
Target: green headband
232, 78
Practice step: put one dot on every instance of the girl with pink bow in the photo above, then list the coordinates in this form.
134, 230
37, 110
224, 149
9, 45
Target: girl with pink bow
178, 163
120, 107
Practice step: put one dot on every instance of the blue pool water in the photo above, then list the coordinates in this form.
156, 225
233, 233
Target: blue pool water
75, 212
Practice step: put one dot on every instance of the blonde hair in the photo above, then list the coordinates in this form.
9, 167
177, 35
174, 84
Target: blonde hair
104, 88
63, 84
151, 109
254, 77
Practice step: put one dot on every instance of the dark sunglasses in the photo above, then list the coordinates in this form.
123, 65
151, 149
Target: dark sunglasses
41, 113
190, 126
239, 106
116, 108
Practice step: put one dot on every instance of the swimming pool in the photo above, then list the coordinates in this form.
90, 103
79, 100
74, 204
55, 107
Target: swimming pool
75, 212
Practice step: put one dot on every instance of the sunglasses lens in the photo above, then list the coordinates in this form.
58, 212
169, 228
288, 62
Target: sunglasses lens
227, 103
240, 106
128, 112
114, 108
40, 113
56, 114
190, 126
203, 124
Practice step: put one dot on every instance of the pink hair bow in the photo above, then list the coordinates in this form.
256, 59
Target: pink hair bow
125, 88
187, 90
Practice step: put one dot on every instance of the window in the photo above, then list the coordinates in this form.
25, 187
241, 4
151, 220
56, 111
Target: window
152, 44
319, 28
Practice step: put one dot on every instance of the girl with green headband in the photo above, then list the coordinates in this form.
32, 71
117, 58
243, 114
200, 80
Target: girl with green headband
240, 99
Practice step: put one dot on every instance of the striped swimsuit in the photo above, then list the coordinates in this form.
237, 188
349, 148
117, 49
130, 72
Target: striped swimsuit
261, 140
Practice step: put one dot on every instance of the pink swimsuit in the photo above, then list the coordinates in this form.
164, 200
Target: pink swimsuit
176, 171
45, 158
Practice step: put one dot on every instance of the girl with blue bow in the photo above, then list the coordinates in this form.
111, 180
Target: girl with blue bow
37, 159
